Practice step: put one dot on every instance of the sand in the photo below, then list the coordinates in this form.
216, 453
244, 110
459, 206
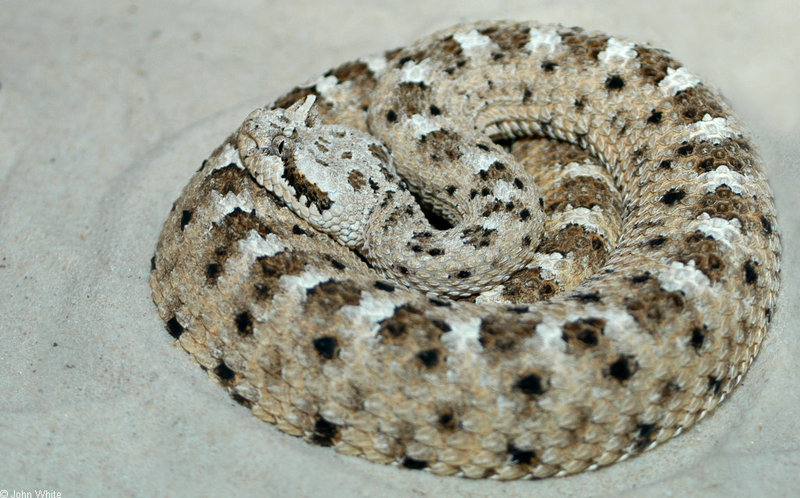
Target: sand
107, 108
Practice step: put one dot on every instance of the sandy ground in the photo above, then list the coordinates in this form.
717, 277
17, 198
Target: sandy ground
106, 109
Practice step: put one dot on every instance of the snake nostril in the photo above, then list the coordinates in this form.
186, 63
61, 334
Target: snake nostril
247, 144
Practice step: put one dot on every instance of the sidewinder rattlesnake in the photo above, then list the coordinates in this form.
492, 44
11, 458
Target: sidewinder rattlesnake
454, 292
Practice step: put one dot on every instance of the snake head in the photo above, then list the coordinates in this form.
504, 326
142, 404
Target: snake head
272, 132
270, 142
332, 176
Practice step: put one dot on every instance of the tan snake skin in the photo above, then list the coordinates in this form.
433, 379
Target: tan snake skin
453, 292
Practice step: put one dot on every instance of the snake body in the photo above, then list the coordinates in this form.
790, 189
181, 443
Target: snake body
508, 250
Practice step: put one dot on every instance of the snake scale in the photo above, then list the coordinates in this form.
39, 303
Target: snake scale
507, 250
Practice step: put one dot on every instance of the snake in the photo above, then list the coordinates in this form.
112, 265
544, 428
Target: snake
507, 250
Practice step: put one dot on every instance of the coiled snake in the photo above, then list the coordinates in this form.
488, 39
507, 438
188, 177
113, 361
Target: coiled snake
392, 260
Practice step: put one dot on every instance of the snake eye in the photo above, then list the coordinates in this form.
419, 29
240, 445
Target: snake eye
282, 146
